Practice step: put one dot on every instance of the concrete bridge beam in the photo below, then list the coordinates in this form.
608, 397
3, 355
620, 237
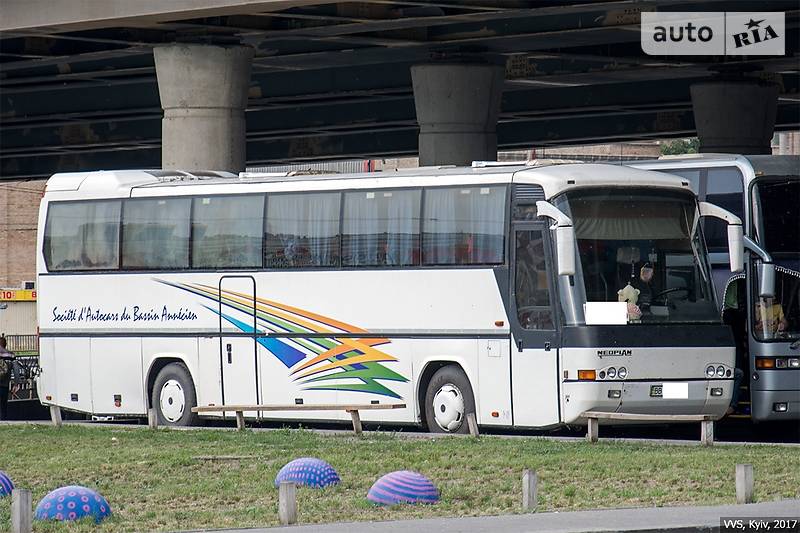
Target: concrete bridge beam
203, 91
735, 117
457, 107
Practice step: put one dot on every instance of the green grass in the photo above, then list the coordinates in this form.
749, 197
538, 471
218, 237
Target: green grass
154, 480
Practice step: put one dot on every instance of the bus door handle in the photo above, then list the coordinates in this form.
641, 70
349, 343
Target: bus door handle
519, 345
547, 346
230, 359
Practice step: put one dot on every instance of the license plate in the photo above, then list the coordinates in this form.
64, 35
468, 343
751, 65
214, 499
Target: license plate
656, 391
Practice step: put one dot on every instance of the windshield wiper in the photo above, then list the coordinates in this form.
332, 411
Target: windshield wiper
795, 345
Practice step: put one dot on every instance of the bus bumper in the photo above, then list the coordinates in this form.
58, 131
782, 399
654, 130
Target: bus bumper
711, 397
769, 405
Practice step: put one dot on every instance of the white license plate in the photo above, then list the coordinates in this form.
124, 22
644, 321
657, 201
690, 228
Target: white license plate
675, 391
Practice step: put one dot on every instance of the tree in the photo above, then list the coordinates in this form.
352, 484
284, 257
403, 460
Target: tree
680, 146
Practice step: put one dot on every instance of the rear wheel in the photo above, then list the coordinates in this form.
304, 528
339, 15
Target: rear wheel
448, 399
174, 396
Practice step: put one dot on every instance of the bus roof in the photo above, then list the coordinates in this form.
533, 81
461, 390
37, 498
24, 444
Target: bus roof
762, 165
552, 177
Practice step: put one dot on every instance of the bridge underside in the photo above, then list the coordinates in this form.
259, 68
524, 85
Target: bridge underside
333, 80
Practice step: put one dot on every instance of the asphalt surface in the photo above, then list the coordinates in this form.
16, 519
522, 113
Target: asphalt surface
650, 520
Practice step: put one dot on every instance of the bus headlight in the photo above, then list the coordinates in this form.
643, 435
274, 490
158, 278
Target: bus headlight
622, 373
794, 362
720, 371
710, 371
611, 372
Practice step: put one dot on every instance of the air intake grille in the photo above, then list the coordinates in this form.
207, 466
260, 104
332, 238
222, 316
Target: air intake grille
528, 194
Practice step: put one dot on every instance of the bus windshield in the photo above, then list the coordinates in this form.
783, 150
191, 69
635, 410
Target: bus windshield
643, 247
775, 214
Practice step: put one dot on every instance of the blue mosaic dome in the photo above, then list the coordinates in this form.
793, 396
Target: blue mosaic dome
308, 471
6, 485
403, 486
72, 503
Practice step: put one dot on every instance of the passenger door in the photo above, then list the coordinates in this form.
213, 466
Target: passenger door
238, 349
534, 349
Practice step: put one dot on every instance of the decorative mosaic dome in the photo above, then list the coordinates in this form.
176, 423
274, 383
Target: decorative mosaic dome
403, 486
308, 471
73, 503
6, 485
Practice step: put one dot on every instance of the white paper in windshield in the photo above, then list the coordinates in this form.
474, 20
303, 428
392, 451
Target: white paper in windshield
605, 313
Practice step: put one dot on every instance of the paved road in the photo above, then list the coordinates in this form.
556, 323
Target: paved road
651, 520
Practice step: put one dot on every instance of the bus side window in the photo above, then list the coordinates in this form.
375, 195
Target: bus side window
82, 236
227, 231
531, 288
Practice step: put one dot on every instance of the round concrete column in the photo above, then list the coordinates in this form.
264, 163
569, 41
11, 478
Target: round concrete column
735, 117
457, 107
203, 91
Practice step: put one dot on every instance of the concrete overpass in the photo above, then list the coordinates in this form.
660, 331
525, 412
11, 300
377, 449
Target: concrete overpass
79, 85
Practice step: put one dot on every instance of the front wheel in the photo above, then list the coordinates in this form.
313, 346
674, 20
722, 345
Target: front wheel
174, 396
448, 399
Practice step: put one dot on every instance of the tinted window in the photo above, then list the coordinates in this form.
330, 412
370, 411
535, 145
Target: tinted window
464, 226
302, 230
531, 290
778, 215
381, 228
155, 233
82, 236
227, 231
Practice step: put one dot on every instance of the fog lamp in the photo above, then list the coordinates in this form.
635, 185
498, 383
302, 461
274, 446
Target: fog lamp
780, 407
615, 394
716, 391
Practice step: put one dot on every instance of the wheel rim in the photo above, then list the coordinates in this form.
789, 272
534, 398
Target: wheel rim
448, 407
172, 400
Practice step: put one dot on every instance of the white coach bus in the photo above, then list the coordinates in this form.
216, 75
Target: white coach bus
451, 290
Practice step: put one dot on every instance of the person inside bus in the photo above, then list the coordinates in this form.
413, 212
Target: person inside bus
6, 362
769, 318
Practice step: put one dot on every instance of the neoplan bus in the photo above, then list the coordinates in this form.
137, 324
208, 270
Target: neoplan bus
452, 290
762, 305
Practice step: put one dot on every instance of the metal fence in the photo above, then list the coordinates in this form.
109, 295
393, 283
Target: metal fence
23, 344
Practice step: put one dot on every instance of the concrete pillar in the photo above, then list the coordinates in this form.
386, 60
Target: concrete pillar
735, 116
203, 91
457, 107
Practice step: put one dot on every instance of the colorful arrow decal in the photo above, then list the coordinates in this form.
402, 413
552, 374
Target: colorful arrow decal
317, 362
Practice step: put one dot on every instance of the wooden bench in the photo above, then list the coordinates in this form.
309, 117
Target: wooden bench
706, 422
352, 409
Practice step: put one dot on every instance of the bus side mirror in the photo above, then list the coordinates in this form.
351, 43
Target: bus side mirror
736, 247
565, 237
565, 250
735, 233
766, 278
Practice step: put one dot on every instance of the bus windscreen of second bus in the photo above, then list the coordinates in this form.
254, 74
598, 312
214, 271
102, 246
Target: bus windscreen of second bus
777, 226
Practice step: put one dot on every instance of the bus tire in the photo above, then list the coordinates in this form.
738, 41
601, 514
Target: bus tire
174, 396
448, 399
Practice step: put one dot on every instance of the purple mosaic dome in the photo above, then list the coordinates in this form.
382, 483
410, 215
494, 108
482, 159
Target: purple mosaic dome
72, 503
6, 485
308, 471
403, 486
